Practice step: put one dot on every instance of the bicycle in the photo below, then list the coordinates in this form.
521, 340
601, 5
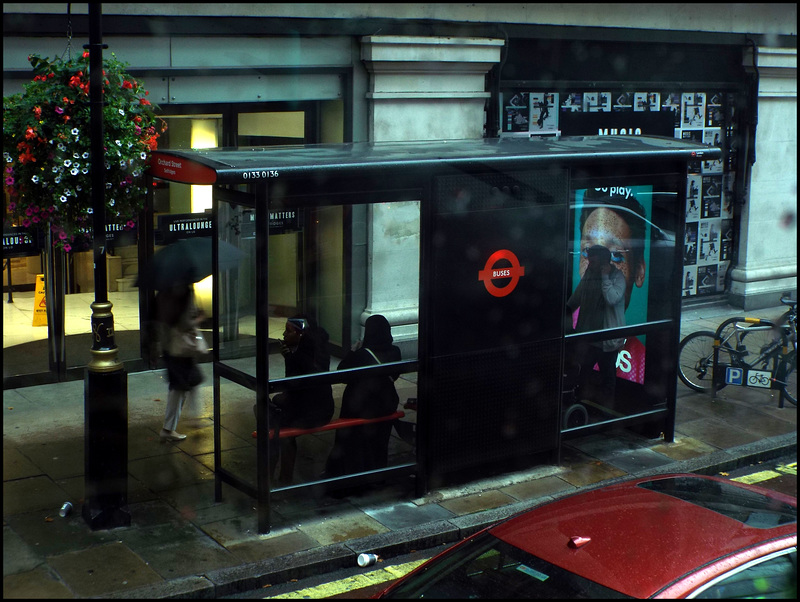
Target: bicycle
773, 365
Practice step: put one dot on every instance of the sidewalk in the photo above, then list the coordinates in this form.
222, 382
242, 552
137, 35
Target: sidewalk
182, 544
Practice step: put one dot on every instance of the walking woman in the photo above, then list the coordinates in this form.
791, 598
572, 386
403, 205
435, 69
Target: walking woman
178, 316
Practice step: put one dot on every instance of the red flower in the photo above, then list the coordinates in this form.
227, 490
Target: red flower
144, 101
37, 111
30, 133
27, 157
127, 85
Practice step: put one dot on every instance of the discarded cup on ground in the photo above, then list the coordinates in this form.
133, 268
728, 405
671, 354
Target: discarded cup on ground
367, 559
66, 508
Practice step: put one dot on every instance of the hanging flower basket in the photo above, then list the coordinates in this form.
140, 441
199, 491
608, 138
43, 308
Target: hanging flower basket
47, 155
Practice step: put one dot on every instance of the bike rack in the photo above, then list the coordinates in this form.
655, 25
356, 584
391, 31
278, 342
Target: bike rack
717, 377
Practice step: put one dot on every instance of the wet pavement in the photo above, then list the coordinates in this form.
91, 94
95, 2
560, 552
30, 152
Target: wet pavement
181, 543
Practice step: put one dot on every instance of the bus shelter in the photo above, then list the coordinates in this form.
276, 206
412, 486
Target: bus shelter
474, 251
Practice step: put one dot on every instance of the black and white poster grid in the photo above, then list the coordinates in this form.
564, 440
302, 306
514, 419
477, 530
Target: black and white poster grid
699, 116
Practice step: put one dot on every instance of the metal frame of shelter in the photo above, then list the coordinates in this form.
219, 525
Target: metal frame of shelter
522, 370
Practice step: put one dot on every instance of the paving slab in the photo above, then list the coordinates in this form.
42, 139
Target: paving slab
105, 568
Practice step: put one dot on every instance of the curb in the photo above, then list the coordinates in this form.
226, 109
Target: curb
307, 563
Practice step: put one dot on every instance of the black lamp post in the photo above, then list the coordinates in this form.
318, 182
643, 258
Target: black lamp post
105, 382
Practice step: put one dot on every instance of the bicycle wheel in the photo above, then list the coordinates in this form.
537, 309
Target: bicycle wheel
696, 360
787, 373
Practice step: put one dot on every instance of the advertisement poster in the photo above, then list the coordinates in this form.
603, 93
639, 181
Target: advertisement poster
709, 242
693, 188
516, 115
618, 218
706, 279
572, 102
693, 111
647, 101
712, 137
690, 244
544, 113
715, 116
594, 102
712, 197
624, 102
689, 281
672, 102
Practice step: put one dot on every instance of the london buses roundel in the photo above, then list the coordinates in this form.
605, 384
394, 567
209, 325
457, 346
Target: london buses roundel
490, 273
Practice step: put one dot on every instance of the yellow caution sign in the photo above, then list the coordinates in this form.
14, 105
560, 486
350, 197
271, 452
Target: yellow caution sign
39, 304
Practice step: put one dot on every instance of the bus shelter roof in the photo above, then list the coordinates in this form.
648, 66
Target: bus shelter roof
251, 164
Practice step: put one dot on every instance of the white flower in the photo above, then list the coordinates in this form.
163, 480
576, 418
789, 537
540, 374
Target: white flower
74, 131
86, 155
57, 180
85, 170
143, 155
90, 210
55, 168
67, 163
121, 112
111, 202
61, 146
74, 171
63, 198
35, 179
76, 155
117, 142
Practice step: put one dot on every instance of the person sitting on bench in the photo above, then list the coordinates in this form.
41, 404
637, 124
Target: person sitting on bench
363, 448
305, 351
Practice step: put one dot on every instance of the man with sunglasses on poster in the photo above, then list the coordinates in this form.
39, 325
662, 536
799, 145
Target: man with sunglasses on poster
600, 296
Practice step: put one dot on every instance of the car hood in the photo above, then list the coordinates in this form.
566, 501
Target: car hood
631, 539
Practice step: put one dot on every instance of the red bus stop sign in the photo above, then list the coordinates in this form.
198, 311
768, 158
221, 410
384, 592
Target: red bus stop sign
490, 273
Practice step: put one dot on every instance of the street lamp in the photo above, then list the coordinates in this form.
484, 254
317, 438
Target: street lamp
106, 382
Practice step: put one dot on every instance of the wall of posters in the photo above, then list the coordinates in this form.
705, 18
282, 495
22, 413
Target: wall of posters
703, 116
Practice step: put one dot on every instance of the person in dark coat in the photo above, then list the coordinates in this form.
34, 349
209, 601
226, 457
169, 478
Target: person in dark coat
175, 315
366, 447
304, 350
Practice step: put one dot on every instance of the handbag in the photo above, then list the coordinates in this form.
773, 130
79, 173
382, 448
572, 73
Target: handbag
187, 343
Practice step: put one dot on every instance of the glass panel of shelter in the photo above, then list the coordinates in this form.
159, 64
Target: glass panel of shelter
324, 302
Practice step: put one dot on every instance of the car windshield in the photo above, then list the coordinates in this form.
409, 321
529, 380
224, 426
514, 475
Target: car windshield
489, 568
748, 507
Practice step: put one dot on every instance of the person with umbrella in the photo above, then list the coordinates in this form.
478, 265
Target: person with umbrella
172, 271
177, 317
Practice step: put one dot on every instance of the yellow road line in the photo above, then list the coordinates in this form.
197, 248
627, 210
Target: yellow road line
790, 468
757, 477
353, 583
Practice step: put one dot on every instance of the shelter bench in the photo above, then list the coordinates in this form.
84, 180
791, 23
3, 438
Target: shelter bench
333, 425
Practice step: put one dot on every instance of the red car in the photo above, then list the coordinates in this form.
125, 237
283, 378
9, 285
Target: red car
666, 536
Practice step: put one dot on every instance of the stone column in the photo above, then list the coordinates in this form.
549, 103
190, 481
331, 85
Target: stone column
767, 264
421, 88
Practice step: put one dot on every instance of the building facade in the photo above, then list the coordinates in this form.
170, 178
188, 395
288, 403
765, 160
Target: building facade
264, 74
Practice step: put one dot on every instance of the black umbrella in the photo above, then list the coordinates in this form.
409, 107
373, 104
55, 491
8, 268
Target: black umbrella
185, 262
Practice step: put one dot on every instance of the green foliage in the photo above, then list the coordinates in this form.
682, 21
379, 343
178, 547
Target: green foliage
46, 148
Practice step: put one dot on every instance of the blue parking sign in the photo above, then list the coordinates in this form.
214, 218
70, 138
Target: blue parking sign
734, 376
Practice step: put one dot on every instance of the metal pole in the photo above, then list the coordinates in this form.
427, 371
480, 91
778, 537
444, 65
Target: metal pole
105, 382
